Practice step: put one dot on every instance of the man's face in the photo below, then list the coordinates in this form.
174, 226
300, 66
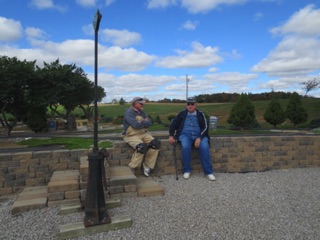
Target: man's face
138, 106
191, 107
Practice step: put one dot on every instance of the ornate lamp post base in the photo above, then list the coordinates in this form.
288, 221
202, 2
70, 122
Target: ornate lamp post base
95, 206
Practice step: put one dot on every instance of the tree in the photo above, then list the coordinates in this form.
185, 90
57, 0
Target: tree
14, 90
310, 85
122, 101
274, 113
295, 111
70, 88
242, 113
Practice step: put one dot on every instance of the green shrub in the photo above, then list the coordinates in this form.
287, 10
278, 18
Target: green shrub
242, 113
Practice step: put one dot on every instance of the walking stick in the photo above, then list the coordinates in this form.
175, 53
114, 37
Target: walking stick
175, 159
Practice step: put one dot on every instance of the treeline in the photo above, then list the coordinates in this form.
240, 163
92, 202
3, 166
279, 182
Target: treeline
231, 97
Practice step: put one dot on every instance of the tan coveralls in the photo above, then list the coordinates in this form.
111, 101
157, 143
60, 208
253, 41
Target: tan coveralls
136, 136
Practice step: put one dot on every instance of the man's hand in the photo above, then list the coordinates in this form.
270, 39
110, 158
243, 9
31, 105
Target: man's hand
171, 140
197, 142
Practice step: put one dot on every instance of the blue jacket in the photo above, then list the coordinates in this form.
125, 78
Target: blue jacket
177, 124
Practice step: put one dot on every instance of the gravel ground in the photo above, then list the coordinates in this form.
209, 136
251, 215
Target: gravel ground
280, 204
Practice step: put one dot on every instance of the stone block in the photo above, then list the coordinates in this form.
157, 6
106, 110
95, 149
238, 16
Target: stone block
42, 154
29, 162
55, 196
60, 153
5, 157
5, 191
72, 194
130, 188
35, 182
27, 205
78, 229
63, 186
22, 155
64, 202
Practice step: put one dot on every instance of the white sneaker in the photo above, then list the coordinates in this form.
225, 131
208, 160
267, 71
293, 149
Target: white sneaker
146, 170
186, 175
211, 177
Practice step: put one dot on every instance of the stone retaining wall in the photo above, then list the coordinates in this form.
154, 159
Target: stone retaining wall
229, 154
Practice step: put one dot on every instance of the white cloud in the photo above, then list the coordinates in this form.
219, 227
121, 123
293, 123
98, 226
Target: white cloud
161, 3
109, 2
293, 55
200, 56
10, 30
121, 38
234, 81
42, 4
47, 4
189, 25
257, 16
117, 86
207, 5
80, 52
86, 3
128, 59
305, 22
298, 52
35, 33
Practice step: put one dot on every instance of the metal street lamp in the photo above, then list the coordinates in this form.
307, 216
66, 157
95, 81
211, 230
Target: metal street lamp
96, 24
95, 206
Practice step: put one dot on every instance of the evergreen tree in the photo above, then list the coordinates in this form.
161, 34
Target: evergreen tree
295, 111
242, 113
274, 113
122, 101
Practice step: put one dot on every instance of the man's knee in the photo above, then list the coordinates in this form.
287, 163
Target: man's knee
142, 148
155, 144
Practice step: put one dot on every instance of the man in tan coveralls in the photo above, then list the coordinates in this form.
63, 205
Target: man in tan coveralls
135, 133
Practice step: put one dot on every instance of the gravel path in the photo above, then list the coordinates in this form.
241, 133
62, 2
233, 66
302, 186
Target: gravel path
280, 204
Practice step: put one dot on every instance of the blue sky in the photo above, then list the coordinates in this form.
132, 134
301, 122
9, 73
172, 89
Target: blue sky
147, 47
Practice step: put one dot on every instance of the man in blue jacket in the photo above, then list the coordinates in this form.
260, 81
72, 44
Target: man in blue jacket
190, 128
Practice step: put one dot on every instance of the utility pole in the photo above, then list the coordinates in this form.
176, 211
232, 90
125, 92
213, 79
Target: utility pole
187, 81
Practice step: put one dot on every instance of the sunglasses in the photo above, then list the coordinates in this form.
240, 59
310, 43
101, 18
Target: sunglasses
190, 104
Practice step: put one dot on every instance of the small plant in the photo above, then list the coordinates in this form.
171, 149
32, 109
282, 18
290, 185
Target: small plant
158, 120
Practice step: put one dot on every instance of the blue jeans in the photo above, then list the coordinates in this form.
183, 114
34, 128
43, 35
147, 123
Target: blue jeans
204, 150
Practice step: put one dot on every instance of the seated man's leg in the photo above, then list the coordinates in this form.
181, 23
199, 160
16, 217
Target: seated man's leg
152, 154
186, 146
137, 157
204, 150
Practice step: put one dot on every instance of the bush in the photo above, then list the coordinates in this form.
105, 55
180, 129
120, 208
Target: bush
118, 120
106, 119
274, 113
242, 113
170, 117
36, 120
295, 111
158, 120
315, 123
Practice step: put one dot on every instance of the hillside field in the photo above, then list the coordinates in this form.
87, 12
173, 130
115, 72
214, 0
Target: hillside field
220, 110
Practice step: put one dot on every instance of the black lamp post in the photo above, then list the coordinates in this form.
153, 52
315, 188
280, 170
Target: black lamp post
96, 24
95, 206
